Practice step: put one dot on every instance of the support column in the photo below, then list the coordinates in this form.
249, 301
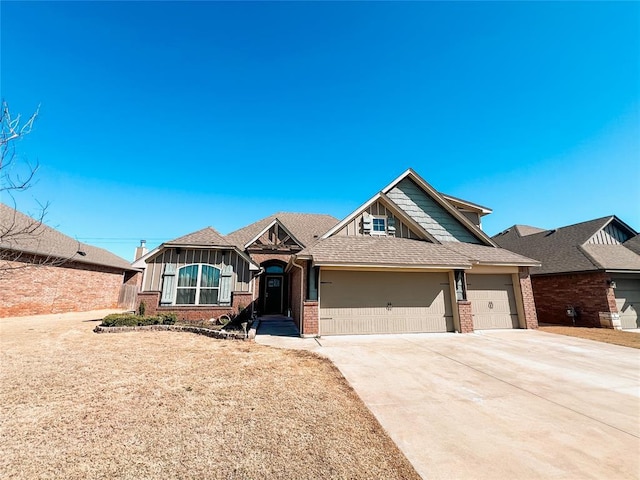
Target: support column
528, 304
466, 316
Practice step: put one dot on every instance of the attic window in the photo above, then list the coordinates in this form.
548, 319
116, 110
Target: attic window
379, 226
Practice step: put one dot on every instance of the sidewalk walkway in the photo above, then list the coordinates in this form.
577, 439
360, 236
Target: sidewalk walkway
281, 332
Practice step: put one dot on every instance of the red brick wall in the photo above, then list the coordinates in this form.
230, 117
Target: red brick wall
588, 293
466, 316
310, 320
29, 289
528, 300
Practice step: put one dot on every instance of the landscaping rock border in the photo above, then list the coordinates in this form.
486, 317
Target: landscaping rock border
176, 328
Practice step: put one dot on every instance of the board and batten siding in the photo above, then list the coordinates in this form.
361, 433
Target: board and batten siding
354, 227
609, 235
429, 214
155, 268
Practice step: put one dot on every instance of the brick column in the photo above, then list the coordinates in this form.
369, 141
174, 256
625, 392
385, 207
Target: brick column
151, 302
466, 316
528, 303
310, 318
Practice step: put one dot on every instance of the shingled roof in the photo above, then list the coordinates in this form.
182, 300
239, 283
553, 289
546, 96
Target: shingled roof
305, 227
565, 249
44, 241
207, 236
390, 251
633, 244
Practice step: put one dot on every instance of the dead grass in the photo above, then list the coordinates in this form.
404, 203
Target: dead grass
607, 335
164, 405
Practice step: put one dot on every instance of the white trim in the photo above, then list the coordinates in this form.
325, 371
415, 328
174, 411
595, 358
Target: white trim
373, 232
197, 287
464, 203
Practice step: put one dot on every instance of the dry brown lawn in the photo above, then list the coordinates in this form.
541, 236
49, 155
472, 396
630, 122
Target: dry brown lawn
607, 335
166, 405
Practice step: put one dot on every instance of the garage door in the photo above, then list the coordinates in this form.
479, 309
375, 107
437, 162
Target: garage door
384, 302
493, 303
628, 301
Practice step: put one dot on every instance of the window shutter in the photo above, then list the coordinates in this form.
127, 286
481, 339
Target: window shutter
224, 296
168, 284
391, 226
366, 223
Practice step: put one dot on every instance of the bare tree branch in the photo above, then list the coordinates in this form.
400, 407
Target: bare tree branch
17, 175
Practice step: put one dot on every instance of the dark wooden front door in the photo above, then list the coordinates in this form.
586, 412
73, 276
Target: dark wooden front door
273, 294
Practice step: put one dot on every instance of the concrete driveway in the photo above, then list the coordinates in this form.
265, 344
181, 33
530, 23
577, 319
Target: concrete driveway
515, 404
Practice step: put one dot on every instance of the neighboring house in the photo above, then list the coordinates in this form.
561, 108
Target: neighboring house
590, 273
408, 260
44, 271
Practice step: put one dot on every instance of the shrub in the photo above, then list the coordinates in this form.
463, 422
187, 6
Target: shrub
132, 320
142, 308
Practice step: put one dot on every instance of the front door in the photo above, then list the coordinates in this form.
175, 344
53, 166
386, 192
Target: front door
273, 294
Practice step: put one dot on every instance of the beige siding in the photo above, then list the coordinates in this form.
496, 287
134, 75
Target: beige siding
628, 301
155, 268
493, 301
384, 302
354, 227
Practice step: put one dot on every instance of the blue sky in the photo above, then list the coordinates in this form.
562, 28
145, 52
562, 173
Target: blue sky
160, 118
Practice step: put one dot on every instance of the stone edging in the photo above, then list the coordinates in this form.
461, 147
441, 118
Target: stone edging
176, 328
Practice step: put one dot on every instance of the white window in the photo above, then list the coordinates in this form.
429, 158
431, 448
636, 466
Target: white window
198, 285
378, 226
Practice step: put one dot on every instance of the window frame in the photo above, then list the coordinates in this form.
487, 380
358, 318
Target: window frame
373, 231
198, 287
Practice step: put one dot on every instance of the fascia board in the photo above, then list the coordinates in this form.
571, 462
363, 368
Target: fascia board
392, 265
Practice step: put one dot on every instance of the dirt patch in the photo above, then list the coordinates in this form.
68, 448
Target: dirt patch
160, 405
607, 335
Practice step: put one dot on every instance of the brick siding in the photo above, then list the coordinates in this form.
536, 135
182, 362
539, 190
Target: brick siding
528, 300
466, 316
588, 293
29, 289
310, 318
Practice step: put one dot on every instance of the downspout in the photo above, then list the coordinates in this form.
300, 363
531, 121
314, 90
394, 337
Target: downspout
301, 296
253, 291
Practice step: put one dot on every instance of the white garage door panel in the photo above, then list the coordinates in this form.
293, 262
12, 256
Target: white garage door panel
493, 302
384, 302
628, 301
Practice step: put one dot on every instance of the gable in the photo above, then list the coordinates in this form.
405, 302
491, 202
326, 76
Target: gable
429, 214
354, 227
611, 234
275, 237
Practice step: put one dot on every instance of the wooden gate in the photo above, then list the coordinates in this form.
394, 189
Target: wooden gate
127, 297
